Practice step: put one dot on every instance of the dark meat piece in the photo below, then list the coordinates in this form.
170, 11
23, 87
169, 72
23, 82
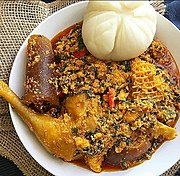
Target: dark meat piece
133, 152
39, 88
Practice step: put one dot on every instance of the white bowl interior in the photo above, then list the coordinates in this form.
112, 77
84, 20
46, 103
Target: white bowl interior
167, 155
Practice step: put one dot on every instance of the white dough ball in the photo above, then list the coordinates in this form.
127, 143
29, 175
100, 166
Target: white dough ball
118, 30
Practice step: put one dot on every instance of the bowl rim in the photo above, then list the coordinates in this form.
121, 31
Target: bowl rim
11, 82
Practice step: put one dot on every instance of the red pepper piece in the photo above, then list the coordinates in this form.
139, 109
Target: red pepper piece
61, 95
111, 95
80, 53
145, 109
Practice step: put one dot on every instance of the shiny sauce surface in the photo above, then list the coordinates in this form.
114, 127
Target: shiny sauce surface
62, 33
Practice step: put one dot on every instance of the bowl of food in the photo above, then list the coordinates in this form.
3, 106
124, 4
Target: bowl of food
91, 115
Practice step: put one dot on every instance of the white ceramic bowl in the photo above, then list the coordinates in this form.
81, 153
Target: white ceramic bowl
167, 155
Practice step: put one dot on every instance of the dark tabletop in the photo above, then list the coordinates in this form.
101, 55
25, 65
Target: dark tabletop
8, 168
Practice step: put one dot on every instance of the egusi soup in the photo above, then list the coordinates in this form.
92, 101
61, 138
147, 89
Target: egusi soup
99, 114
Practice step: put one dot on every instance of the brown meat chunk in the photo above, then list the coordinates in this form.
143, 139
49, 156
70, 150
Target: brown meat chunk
39, 72
133, 152
76, 105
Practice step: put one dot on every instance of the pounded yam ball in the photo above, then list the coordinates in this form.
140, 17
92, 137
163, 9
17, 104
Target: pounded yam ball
118, 30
